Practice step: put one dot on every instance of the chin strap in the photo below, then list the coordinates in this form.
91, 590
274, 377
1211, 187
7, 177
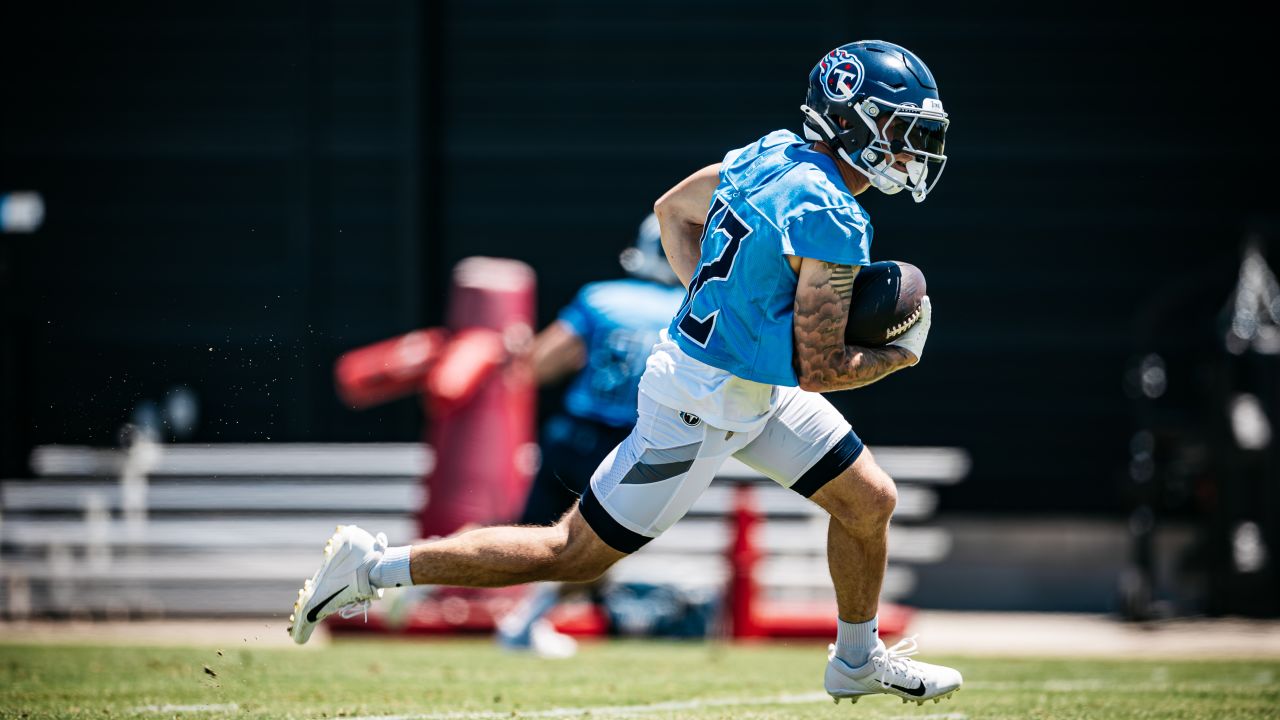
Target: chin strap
869, 168
873, 164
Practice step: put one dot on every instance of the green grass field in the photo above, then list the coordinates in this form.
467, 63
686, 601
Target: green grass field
449, 680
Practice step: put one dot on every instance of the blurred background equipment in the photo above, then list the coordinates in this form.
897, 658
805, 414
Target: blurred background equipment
479, 405
77, 544
1202, 470
1245, 527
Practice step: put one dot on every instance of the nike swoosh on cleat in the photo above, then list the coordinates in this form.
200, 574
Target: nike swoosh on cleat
311, 616
913, 692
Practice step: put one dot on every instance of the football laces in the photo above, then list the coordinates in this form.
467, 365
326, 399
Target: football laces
902, 327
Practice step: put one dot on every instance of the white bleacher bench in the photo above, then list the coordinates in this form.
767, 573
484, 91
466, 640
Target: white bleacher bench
231, 529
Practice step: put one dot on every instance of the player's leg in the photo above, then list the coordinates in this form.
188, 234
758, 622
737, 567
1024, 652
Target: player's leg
569, 551
357, 565
860, 500
809, 447
640, 489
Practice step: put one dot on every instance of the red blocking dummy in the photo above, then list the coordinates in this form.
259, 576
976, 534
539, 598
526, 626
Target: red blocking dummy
480, 401
388, 370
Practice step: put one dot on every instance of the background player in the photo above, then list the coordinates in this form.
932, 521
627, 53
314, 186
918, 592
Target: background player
603, 336
768, 243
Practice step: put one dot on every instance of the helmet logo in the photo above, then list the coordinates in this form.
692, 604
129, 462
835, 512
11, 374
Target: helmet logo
842, 75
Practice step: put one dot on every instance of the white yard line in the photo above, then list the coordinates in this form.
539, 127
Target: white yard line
222, 707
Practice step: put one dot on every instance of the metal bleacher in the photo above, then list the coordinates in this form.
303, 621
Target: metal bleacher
200, 530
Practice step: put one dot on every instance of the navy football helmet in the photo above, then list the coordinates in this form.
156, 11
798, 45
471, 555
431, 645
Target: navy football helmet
871, 100
646, 259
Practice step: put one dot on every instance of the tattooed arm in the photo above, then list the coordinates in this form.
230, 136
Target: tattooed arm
822, 361
681, 212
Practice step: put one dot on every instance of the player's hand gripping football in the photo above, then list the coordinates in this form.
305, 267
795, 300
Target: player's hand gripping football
913, 339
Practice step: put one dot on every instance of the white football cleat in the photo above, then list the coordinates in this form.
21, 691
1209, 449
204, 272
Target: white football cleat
342, 582
890, 671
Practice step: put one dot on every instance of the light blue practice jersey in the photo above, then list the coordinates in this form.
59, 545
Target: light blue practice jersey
618, 321
776, 197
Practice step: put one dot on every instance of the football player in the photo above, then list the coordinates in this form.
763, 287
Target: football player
768, 242
602, 338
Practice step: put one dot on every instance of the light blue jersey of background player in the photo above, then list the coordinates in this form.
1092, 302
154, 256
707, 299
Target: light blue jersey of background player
618, 321
776, 197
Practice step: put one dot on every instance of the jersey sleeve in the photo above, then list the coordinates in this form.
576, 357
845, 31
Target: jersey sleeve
834, 235
578, 315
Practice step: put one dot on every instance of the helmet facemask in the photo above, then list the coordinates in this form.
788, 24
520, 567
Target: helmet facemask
888, 130
921, 134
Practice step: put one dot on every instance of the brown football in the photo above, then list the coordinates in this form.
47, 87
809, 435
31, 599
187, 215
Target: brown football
885, 303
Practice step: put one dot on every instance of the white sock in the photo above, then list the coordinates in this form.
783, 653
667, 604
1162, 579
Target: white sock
855, 641
393, 569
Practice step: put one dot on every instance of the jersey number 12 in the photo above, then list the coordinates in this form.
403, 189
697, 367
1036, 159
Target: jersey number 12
699, 329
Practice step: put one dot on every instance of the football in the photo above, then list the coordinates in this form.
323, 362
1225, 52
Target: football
885, 303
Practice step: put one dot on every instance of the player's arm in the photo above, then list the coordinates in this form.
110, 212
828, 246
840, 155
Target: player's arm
681, 212
822, 361
557, 352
